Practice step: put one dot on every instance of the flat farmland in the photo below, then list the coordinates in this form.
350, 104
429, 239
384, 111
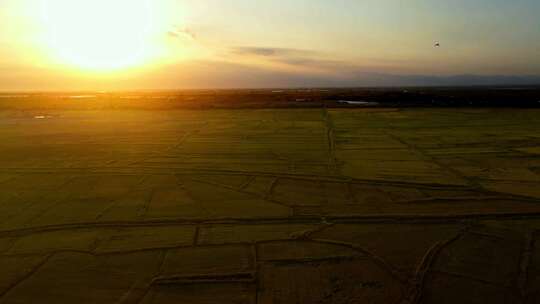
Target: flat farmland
381, 205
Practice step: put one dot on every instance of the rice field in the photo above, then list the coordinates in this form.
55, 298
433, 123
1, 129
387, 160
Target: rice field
264, 206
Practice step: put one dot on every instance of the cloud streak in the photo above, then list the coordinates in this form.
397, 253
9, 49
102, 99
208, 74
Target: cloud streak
182, 32
295, 59
271, 51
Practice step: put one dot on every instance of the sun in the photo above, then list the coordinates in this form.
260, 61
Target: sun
101, 35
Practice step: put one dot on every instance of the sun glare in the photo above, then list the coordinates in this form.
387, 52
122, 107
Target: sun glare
101, 35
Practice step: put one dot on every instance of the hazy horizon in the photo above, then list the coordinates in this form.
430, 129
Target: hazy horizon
408, 81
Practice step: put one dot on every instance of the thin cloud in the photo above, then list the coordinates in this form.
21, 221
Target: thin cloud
270, 51
294, 58
182, 32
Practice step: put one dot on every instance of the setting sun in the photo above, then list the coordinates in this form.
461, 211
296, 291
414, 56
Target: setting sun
100, 35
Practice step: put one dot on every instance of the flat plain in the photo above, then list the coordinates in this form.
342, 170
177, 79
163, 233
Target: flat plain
262, 206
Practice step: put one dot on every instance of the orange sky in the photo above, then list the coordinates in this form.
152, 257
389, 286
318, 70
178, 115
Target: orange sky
169, 44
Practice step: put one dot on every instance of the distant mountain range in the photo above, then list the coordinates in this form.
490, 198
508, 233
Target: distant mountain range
374, 79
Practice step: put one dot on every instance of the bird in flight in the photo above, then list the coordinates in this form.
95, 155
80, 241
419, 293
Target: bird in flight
437, 44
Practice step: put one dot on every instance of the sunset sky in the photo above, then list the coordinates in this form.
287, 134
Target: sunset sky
177, 44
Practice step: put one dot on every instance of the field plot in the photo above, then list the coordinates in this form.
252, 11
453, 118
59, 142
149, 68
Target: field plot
270, 206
